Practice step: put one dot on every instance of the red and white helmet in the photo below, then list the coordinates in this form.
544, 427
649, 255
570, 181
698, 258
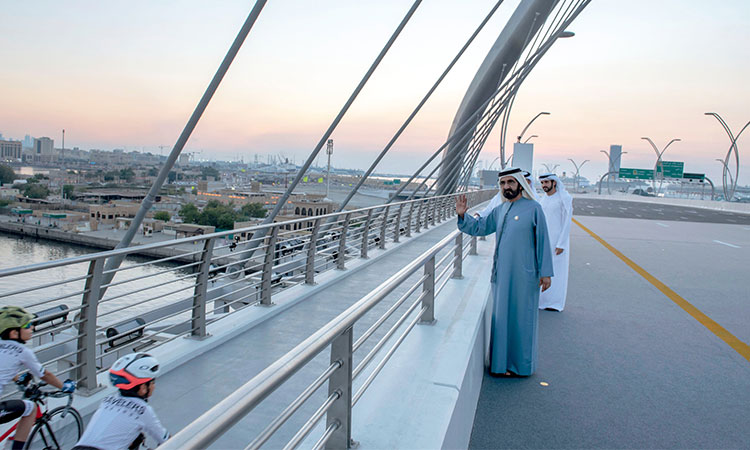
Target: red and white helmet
133, 370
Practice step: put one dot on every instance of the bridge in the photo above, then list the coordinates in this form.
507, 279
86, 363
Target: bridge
648, 353
365, 327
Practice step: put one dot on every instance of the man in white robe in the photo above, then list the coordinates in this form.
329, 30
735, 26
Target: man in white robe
558, 210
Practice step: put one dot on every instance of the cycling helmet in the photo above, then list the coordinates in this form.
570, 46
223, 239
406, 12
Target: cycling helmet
133, 370
13, 317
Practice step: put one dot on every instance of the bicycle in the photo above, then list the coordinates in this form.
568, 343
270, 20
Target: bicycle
58, 429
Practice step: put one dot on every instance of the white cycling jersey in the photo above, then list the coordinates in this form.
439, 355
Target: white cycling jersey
15, 357
118, 422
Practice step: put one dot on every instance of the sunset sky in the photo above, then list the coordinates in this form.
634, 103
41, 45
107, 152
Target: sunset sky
127, 75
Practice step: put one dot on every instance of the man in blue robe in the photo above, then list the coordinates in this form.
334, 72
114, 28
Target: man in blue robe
522, 263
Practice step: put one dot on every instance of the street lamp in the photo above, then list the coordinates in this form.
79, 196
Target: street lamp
578, 170
543, 113
529, 138
552, 170
732, 186
658, 158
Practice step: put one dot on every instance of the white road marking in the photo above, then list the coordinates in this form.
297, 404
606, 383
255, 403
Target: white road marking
662, 225
747, 228
728, 245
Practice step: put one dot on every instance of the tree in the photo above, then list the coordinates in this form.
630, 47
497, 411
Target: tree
189, 213
7, 175
210, 172
36, 190
253, 210
152, 172
68, 190
127, 174
163, 215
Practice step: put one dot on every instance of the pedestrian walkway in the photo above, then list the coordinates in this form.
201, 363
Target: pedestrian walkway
187, 392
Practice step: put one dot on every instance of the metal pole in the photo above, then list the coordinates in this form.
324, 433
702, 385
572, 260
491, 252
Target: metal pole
366, 235
428, 293
86, 355
148, 201
198, 320
340, 384
265, 285
341, 260
311, 249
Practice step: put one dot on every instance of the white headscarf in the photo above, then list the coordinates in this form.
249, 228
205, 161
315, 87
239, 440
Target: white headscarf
518, 175
559, 185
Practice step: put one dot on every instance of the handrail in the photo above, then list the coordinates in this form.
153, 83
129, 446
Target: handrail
178, 299
214, 422
189, 240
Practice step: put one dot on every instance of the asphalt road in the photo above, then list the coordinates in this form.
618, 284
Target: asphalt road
653, 211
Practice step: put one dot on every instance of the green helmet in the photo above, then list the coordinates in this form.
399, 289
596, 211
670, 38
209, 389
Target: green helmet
13, 317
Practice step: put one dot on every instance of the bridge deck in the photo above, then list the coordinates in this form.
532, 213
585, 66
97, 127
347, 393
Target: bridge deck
188, 391
626, 367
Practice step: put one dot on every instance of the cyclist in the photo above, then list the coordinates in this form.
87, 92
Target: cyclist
123, 417
15, 330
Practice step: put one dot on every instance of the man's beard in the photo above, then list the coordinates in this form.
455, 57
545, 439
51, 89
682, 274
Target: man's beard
510, 194
546, 188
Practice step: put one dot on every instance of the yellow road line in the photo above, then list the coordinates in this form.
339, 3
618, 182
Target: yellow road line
738, 346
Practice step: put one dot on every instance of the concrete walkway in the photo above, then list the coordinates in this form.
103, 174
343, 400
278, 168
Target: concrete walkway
188, 391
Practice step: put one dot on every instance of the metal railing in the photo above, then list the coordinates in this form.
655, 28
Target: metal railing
346, 377
151, 302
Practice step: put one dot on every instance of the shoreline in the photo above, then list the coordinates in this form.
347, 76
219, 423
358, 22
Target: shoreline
57, 235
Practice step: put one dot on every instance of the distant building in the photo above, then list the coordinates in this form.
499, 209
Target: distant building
44, 146
108, 214
10, 150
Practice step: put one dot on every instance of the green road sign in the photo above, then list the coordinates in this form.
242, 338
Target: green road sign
670, 169
636, 174
694, 176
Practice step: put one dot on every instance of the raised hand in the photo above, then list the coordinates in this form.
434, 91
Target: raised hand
461, 205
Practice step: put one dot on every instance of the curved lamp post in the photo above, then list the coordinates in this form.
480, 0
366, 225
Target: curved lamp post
658, 158
543, 113
610, 170
578, 170
729, 188
552, 170
529, 138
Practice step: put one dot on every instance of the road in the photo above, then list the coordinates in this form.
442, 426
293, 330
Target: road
654, 211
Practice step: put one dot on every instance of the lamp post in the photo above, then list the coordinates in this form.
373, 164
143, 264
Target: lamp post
329, 152
730, 187
658, 159
552, 170
610, 169
529, 138
578, 170
543, 113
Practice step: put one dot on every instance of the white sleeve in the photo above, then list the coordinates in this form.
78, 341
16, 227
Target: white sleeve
490, 206
153, 426
30, 360
567, 217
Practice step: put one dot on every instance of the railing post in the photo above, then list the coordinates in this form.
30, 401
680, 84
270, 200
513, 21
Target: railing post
397, 228
408, 219
428, 292
366, 235
311, 249
341, 260
418, 224
434, 208
86, 356
459, 255
473, 248
384, 226
265, 285
340, 384
426, 222
198, 320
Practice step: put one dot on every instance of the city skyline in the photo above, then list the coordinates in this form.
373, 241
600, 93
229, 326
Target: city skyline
651, 69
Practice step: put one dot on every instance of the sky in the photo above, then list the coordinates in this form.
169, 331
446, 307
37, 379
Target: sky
128, 75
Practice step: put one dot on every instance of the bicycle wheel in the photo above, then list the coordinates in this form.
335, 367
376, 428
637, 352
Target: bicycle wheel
57, 432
